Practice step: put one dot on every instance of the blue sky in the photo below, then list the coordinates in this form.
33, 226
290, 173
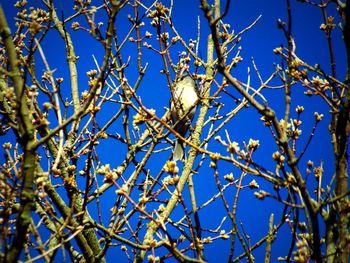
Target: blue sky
257, 43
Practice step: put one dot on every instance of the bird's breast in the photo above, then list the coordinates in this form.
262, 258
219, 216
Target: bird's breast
186, 96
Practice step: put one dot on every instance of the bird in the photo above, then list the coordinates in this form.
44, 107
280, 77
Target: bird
183, 107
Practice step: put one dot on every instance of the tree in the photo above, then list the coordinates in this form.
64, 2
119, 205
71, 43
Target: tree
87, 172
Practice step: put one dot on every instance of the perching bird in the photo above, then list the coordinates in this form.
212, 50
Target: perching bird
183, 108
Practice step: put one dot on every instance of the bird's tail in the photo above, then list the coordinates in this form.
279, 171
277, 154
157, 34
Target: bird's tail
179, 150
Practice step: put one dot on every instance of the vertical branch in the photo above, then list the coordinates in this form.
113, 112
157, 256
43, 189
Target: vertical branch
27, 140
195, 215
71, 57
269, 240
337, 237
290, 67
341, 154
329, 38
138, 36
195, 139
209, 74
